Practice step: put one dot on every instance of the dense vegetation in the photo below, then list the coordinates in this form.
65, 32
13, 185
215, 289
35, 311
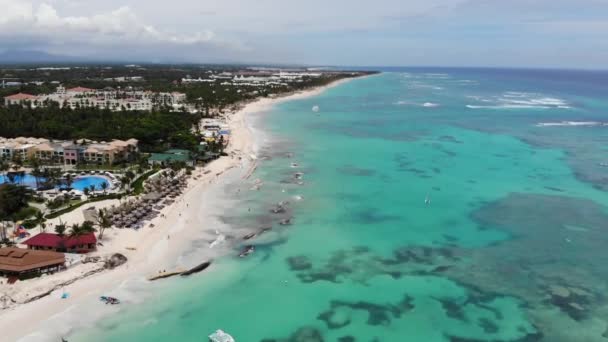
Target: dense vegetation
13, 200
155, 130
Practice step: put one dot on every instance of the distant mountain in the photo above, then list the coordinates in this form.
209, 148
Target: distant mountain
35, 57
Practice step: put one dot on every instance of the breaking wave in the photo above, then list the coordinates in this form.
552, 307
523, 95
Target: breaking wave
409, 103
571, 123
518, 100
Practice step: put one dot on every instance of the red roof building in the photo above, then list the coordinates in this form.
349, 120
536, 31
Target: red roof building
18, 98
66, 244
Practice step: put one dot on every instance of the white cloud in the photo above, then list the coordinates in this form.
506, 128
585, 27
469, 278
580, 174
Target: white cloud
312, 31
22, 20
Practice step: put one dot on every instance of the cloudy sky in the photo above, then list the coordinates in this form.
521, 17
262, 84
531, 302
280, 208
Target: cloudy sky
550, 33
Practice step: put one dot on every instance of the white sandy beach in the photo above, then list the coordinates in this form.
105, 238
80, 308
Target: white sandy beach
149, 249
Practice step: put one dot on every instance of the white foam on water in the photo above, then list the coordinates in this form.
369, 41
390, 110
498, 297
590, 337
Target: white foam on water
519, 100
425, 104
571, 123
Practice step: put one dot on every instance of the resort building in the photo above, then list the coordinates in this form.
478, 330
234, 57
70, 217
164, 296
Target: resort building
171, 156
65, 244
107, 98
21, 99
23, 263
69, 152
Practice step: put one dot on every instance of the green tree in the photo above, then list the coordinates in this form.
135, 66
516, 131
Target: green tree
69, 180
13, 198
36, 172
41, 220
81, 229
103, 222
17, 162
60, 229
4, 166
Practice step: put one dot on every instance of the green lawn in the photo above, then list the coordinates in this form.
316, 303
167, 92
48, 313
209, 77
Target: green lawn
138, 184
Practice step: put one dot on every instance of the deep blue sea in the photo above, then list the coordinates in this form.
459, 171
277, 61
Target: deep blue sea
422, 205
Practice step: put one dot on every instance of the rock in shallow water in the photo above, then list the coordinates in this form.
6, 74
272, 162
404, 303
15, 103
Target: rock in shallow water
115, 260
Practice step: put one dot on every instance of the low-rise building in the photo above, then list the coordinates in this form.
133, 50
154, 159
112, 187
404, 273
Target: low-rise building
65, 244
22, 263
171, 156
68, 152
20, 99
106, 98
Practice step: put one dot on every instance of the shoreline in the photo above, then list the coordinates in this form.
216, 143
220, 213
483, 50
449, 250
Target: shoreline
151, 249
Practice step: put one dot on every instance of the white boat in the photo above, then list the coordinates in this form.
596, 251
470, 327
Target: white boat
220, 336
315, 109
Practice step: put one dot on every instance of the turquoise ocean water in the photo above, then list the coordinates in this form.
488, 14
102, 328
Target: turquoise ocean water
432, 205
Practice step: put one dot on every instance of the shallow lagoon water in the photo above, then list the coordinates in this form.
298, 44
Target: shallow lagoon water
416, 222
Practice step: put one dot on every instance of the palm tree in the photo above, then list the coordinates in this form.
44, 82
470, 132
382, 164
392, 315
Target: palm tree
17, 162
86, 192
92, 187
60, 229
69, 179
36, 172
40, 219
103, 221
124, 182
76, 230
4, 166
82, 229
104, 186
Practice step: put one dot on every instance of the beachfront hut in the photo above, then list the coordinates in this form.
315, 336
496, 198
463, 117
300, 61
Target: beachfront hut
24, 263
67, 244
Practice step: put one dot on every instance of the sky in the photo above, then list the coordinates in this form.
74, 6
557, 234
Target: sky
507, 33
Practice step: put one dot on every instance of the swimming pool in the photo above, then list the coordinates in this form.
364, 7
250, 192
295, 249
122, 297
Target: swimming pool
79, 183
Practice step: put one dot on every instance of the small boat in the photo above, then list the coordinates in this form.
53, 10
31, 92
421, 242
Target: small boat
220, 336
246, 251
427, 200
315, 109
109, 300
294, 165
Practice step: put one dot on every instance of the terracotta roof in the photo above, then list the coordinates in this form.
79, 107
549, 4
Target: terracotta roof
80, 90
56, 241
44, 147
21, 96
19, 260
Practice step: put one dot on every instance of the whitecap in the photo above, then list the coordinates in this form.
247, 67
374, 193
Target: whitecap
430, 104
409, 103
571, 123
507, 106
